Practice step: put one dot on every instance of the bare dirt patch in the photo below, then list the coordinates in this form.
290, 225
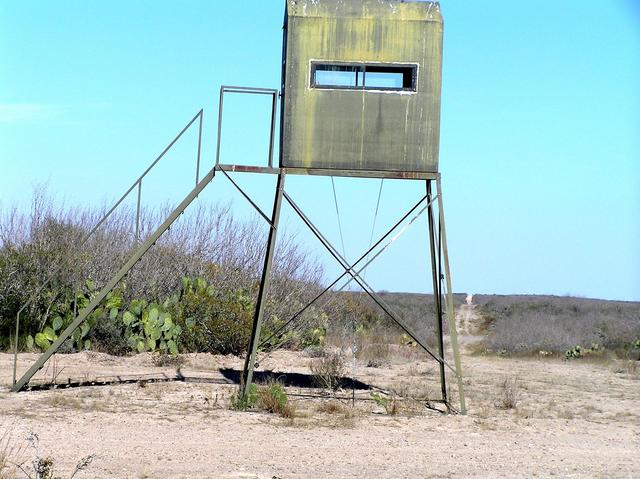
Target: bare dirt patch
572, 419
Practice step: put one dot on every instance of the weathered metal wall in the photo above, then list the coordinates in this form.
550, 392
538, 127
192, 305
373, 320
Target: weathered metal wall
361, 129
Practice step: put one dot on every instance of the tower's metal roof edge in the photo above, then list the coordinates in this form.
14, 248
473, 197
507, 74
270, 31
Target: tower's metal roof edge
385, 9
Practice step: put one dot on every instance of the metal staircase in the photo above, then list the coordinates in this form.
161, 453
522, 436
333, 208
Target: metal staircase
200, 184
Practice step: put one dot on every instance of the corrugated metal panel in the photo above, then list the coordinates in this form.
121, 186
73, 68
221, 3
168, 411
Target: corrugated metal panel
362, 130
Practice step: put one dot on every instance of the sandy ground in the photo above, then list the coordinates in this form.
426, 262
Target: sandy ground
573, 419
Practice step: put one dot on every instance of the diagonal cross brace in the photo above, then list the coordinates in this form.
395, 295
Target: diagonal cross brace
246, 196
355, 276
337, 280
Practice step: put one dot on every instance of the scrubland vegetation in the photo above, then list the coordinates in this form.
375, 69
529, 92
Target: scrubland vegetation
552, 325
195, 291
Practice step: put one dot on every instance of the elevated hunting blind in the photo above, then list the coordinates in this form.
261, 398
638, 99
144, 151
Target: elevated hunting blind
360, 97
361, 85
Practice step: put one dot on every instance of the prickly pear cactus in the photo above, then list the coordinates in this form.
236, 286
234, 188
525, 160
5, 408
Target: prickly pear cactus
151, 328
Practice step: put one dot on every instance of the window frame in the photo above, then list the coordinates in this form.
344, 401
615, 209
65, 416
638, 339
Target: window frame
360, 68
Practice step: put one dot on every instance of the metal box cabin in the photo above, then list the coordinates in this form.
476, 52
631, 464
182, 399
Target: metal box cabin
361, 83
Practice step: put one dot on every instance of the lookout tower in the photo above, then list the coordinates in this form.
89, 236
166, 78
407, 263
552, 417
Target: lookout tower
360, 97
361, 86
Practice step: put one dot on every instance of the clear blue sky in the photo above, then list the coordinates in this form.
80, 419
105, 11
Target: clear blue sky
540, 149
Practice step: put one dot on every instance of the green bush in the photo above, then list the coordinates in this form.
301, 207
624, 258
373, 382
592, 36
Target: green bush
62, 313
213, 321
272, 398
579, 352
242, 403
49, 242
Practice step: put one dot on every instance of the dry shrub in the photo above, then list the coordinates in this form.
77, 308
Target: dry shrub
329, 370
630, 367
509, 394
340, 415
314, 351
164, 359
331, 407
390, 404
40, 466
9, 455
273, 398
529, 324
375, 355
207, 241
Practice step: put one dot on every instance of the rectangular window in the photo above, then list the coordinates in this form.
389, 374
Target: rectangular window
363, 76
349, 76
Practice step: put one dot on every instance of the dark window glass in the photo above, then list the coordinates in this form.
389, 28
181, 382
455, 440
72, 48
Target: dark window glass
397, 78
363, 76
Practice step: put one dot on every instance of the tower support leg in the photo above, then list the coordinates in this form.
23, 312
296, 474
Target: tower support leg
451, 317
249, 363
437, 293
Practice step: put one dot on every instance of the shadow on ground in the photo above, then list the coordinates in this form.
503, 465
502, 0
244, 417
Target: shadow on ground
298, 380
229, 376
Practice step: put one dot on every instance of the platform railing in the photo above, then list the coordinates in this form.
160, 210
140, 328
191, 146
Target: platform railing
136, 185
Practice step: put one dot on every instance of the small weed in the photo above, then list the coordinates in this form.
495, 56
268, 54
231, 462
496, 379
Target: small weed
60, 400
44, 467
242, 403
9, 454
390, 405
509, 393
211, 402
329, 370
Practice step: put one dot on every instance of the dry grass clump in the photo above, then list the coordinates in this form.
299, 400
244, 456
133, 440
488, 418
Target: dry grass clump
509, 394
339, 415
13, 463
375, 355
630, 367
163, 360
329, 371
10, 454
64, 401
331, 407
